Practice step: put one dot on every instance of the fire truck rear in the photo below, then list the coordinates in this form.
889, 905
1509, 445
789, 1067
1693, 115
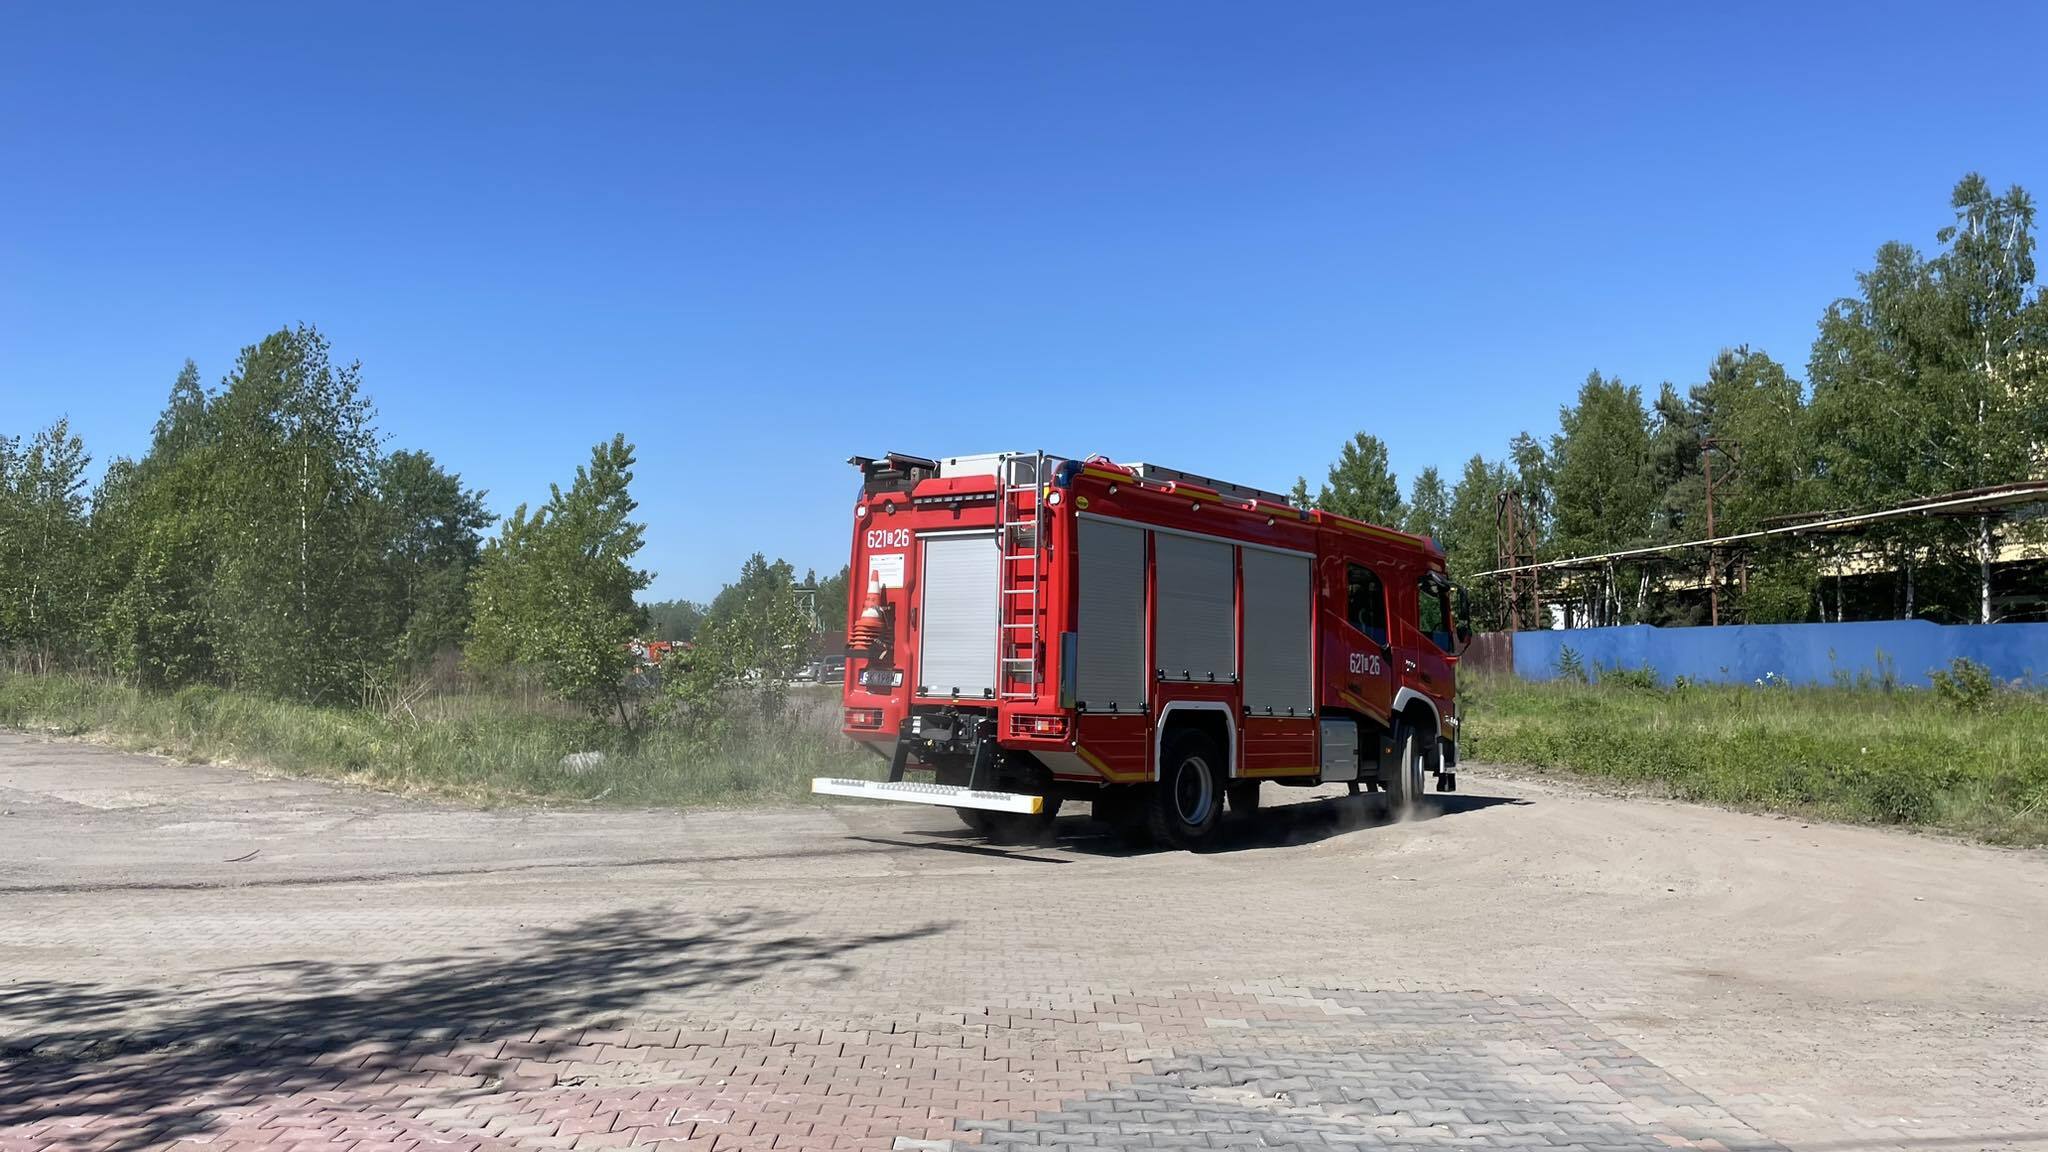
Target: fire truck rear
1035, 630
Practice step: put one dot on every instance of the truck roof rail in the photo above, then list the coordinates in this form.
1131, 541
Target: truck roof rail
1156, 472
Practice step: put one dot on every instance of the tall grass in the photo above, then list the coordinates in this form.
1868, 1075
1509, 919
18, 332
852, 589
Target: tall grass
480, 748
1857, 754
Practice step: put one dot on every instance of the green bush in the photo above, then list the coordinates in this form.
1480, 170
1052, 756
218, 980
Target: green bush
1642, 679
1965, 685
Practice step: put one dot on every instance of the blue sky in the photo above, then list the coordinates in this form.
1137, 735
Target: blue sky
759, 238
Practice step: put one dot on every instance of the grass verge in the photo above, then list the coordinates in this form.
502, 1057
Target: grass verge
1863, 755
1855, 754
478, 748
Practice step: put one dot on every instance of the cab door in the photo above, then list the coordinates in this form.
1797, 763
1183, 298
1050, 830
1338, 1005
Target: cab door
1427, 645
1357, 655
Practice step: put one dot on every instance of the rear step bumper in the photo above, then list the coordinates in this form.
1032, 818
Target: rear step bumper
942, 795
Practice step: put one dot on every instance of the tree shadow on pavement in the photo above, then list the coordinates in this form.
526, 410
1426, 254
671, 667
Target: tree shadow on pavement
312, 1026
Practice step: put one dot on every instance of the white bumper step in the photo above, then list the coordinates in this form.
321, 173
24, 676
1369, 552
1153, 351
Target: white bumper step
942, 795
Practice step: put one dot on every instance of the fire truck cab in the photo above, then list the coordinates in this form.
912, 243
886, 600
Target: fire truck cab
1029, 629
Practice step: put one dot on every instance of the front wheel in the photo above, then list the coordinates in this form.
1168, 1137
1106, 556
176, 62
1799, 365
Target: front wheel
1403, 778
1188, 799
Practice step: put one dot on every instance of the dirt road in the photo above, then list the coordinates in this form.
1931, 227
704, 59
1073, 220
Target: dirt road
198, 954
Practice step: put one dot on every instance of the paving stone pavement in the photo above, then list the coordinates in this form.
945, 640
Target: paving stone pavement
1282, 1067
197, 957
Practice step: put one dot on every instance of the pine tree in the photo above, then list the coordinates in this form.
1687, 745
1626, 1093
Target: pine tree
1361, 485
1429, 506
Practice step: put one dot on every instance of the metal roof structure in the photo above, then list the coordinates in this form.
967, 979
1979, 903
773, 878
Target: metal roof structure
2004, 499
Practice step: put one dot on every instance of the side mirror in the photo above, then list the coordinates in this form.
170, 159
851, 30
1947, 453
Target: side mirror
1464, 634
1463, 613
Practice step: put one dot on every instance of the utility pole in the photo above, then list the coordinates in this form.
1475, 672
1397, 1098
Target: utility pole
1707, 446
1713, 553
1504, 553
1515, 548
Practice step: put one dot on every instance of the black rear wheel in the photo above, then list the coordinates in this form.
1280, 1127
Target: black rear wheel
1017, 827
1188, 799
953, 771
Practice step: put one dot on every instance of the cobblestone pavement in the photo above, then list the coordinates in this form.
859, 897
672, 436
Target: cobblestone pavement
194, 956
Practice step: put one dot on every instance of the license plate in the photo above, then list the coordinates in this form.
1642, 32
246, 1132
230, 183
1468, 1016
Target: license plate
881, 677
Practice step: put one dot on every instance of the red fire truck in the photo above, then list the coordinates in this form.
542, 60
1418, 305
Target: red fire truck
1037, 629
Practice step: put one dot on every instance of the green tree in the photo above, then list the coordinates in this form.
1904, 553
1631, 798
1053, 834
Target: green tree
1429, 506
1471, 536
757, 623
1361, 485
753, 638
1763, 467
1298, 495
832, 598
555, 590
1932, 380
1602, 487
154, 529
295, 591
674, 619
1533, 471
43, 555
1678, 429
1756, 416
433, 534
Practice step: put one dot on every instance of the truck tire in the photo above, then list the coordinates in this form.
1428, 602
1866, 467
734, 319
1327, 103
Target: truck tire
1244, 796
954, 771
1017, 827
1403, 778
1186, 803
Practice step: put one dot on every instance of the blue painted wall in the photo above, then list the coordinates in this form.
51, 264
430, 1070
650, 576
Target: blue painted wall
1801, 653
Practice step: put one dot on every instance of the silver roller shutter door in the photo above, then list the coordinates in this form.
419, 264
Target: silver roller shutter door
957, 616
1278, 667
1195, 634
1110, 629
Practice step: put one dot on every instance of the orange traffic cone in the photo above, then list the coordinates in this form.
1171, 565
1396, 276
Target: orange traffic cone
870, 631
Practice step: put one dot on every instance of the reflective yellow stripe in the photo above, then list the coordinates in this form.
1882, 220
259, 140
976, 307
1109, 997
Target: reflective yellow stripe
1358, 702
1108, 773
1371, 530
